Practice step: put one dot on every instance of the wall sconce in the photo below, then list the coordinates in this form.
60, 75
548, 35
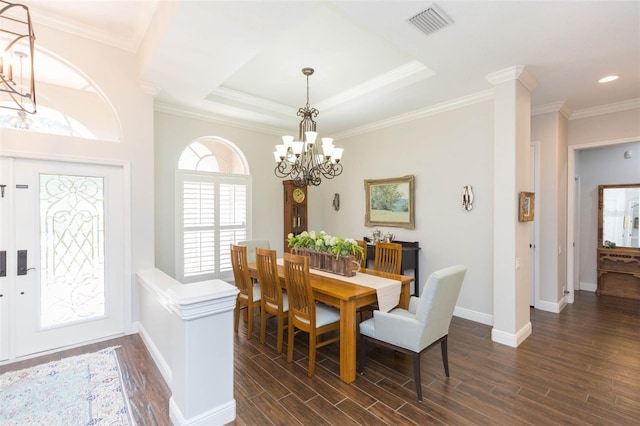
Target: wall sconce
336, 202
467, 198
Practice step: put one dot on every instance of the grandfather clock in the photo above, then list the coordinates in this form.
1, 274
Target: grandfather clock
295, 210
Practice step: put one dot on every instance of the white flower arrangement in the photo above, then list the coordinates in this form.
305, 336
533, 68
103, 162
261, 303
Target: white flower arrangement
323, 242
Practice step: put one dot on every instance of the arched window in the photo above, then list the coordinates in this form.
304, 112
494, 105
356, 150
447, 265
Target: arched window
68, 101
214, 187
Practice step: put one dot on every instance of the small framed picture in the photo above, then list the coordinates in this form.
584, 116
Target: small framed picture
527, 200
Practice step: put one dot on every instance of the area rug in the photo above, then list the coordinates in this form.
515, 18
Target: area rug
81, 390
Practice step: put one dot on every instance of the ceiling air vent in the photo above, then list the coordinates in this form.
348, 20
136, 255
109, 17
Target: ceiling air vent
430, 20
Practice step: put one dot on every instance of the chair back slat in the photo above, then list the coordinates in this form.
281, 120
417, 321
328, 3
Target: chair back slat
241, 270
362, 258
388, 258
266, 263
298, 284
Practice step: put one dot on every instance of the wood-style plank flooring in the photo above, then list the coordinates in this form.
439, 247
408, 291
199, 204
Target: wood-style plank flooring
581, 366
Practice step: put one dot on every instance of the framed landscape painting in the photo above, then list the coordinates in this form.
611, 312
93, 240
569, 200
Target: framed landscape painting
390, 202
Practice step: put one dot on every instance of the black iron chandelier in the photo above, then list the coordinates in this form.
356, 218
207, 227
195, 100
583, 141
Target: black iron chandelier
16, 31
303, 161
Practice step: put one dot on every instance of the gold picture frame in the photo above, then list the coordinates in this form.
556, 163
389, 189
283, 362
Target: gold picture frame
527, 206
390, 202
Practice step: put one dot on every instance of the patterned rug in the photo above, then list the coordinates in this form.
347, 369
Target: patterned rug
81, 390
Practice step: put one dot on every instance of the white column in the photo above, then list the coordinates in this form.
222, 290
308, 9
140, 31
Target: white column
202, 357
512, 122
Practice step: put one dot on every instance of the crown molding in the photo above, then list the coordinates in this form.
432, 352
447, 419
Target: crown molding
560, 107
461, 102
111, 38
519, 72
605, 109
182, 111
396, 75
255, 101
149, 88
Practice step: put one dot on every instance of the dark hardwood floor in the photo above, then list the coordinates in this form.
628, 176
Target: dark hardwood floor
578, 367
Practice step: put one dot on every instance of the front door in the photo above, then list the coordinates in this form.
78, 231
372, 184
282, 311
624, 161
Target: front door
65, 265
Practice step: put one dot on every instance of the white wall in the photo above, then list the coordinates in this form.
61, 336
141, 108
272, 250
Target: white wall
599, 166
444, 152
551, 130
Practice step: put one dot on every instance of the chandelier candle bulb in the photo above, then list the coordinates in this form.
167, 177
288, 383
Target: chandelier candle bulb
297, 148
311, 137
287, 141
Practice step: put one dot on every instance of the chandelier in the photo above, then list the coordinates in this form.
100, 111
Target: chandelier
16, 31
303, 161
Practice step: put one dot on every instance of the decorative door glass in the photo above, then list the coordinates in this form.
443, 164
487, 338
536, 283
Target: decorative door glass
72, 273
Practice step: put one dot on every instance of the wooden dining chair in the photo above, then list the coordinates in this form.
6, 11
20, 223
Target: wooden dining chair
362, 258
249, 296
252, 245
273, 301
305, 314
388, 258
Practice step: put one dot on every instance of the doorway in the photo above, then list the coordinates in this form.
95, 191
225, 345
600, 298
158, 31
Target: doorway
573, 213
62, 231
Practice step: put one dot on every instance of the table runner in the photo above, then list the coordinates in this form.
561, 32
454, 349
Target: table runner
387, 290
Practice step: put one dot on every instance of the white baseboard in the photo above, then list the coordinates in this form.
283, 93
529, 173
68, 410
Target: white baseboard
588, 287
554, 307
510, 339
220, 415
475, 316
161, 363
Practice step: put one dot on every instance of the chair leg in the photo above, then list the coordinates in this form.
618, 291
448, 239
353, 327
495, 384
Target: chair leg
313, 340
236, 316
416, 375
362, 343
290, 342
263, 325
280, 333
249, 321
445, 358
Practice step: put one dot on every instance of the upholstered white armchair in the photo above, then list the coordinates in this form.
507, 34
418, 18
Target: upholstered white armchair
422, 326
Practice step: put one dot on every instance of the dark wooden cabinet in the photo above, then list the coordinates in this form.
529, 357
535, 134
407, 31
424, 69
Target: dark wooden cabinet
295, 210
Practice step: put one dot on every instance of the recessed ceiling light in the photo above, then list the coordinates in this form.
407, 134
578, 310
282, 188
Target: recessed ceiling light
608, 78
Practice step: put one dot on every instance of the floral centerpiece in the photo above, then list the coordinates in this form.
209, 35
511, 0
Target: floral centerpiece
326, 252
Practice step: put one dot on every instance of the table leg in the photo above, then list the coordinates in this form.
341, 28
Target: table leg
348, 340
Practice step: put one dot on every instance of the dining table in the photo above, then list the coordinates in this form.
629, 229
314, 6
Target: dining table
335, 290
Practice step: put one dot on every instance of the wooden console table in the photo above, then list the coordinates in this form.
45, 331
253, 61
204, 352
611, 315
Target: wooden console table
409, 259
619, 272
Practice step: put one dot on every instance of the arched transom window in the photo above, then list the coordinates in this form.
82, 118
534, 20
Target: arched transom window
214, 187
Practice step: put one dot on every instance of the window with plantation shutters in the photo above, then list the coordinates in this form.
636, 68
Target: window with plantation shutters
213, 215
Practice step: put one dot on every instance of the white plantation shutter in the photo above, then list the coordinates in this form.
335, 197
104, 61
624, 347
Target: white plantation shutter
213, 216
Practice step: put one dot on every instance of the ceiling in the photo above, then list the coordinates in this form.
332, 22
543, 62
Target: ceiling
243, 59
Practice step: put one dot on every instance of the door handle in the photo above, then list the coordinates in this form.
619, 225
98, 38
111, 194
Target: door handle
22, 263
3, 263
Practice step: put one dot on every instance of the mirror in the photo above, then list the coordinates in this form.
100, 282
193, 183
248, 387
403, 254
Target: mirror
619, 212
